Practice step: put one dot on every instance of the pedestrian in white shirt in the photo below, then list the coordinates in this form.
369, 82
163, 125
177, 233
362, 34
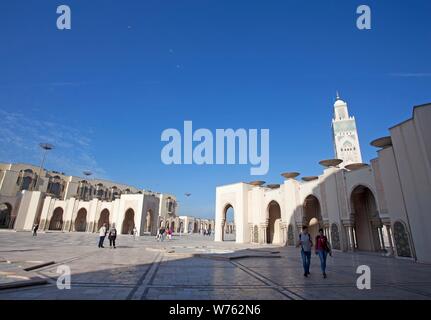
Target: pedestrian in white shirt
102, 235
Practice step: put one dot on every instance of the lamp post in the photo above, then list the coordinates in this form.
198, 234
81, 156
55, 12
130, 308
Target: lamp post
46, 147
86, 173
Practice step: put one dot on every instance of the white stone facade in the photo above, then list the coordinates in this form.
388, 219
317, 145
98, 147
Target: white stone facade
57, 202
383, 206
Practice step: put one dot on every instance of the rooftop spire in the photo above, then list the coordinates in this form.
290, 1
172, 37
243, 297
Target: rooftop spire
338, 95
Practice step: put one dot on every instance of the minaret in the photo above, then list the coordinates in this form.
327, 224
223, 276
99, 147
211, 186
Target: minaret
345, 135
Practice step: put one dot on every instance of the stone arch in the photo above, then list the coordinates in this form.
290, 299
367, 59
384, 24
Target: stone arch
335, 237
290, 235
402, 240
104, 218
6, 221
173, 226
312, 215
227, 226
81, 220
273, 230
128, 222
366, 220
56, 222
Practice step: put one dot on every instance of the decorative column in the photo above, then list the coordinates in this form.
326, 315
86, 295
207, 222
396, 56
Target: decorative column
250, 228
262, 233
351, 238
391, 245
222, 227
382, 239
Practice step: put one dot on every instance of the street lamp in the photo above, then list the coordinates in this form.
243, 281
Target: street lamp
46, 147
87, 173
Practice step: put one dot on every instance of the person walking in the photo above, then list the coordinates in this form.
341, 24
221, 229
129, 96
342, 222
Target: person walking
102, 235
35, 228
306, 244
323, 248
162, 233
112, 236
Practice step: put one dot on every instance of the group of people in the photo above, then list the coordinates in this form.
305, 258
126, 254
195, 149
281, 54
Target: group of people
163, 232
321, 248
112, 236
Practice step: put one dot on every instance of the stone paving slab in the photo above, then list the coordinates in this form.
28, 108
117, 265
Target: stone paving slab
13, 276
184, 268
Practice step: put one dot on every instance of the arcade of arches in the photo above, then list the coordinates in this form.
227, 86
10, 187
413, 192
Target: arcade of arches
364, 232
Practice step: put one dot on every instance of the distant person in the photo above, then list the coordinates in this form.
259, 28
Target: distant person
305, 243
112, 236
102, 235
35, 228
135, 233
323, 248
161, 233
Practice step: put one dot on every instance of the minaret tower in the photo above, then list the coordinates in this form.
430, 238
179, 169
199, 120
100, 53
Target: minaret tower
345, 135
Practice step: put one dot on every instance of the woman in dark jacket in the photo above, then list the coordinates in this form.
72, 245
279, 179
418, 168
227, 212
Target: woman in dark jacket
322, 249
112, 236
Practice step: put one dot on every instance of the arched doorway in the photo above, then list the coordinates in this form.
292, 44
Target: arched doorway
173, 226
104, 218
128, 222
81, 220
195, 227
365, 219
6, 216
273, 231
312, 215
228, 228
56, 220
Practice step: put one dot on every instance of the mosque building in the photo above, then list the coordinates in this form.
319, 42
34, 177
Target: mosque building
382, 206
58, 202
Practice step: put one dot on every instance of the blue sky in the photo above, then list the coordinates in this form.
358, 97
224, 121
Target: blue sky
104, 91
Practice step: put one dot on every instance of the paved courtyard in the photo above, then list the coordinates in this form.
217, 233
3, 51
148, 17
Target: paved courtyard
193, 267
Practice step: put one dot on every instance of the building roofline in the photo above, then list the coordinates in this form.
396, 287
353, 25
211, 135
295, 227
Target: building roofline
413, 114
